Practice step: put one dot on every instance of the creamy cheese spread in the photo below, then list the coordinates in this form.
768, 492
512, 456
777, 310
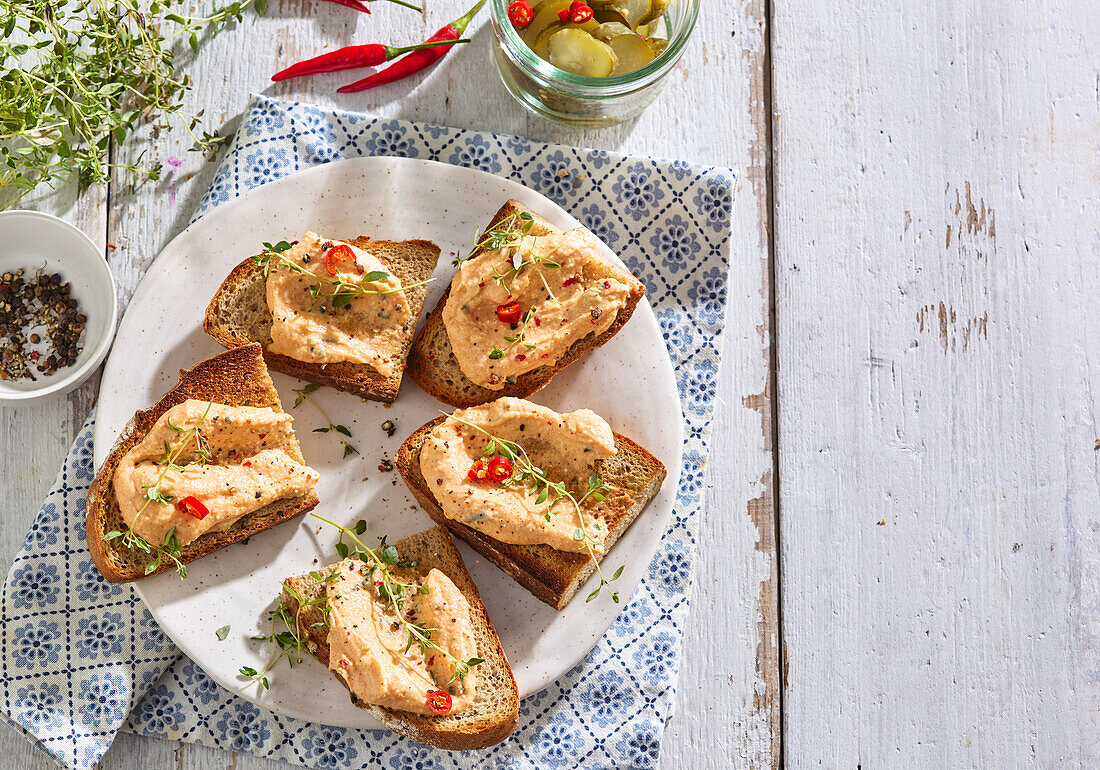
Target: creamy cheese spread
308, 327
370, 649
241, 465
564, 447
560, 299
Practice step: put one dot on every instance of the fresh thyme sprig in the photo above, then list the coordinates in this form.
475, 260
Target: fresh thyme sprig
287, 642
304, 395
343, 291
81, 77
517, 339
170, 547
394, 591
542, 487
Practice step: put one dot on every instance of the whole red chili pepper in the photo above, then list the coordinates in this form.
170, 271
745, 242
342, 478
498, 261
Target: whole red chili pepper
417, 60
353, 56
361, 5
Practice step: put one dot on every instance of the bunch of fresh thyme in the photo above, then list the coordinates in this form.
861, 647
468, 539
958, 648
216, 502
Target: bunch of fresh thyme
343, 291
151, 493
538, 484
76, 77
304, 395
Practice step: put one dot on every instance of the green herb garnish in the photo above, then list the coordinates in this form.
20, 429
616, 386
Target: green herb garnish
304, 395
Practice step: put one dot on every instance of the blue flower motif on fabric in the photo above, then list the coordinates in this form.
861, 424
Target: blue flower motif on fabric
716, 203
691, 477
699, 386
554, 177
329, 747
242, 727
153, 637
89, 584
557, 744
322, 153
40, 707
641, 748
199, 685
264, 167
708, 293
309, 120
477, 153
517, 145
264, 116
82, 460
45, 530
671, 569
220, 189
680, 169
436, 131
656, 656
636, 612
104, 698
676, 242
676, 330
598, 158
390, 139
35, 586
415, 758
37, 645
593, 217
159, 712
609, 697
99, 635
637, 191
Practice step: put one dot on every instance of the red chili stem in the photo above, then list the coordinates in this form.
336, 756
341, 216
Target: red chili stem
354, 56
417, 60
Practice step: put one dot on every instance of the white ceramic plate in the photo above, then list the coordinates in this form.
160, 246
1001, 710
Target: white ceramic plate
629, 382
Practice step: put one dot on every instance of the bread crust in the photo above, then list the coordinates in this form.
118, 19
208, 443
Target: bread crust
553, 576
412, 261
434, 548
237, 377
431, 355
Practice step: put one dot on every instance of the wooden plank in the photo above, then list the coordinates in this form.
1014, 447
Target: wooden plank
936, 253
728, 703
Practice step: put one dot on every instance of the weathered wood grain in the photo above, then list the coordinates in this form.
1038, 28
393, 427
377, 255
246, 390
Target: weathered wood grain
712, 111
936, 257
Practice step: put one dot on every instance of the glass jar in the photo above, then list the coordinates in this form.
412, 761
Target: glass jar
577, 100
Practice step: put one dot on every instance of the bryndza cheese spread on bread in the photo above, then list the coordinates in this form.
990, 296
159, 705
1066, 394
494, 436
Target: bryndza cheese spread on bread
521, 307
308, 326
375, 654
563, 447
203, 466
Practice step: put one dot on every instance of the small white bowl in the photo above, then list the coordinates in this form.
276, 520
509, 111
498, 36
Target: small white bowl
32, 240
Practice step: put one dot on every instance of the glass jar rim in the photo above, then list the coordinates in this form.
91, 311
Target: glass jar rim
597, 87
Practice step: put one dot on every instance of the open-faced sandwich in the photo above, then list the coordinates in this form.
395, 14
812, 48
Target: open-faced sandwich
542, 495
332, 312
214, 461
529, 301
404, 629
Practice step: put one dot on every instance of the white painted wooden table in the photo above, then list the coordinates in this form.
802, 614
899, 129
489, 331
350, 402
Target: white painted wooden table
935, 205
713, 111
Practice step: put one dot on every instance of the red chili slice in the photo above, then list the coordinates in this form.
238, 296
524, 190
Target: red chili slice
341, 253
193, 506
439, 702
579, 12
478, 471
508, 313
520, 13
563, 14
500, 469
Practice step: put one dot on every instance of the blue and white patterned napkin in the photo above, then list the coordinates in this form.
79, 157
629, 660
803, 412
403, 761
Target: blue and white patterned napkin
82, 658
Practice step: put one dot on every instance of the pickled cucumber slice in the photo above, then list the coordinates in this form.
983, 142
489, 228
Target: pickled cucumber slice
628, 12
632, 53
546, 14
541, 46
657, 45
576, 51
657, 10
611, 29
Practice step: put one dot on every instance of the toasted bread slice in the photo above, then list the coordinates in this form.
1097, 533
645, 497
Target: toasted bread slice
634, 475
495, 712
235, 378
432, 364
238, 314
